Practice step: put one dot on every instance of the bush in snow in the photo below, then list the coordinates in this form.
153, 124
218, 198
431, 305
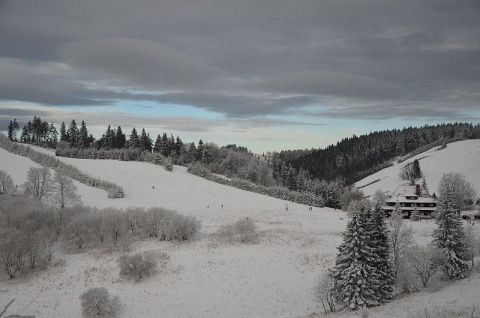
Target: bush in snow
244, 230
182, 227
97, 302
139, 265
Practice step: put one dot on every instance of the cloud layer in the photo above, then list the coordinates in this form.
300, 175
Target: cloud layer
246, 58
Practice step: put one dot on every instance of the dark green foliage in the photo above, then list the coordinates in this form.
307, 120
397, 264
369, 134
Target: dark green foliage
73, 134
12, 129
354, 158
63, 133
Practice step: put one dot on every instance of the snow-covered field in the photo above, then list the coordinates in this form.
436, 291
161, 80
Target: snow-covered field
205, 277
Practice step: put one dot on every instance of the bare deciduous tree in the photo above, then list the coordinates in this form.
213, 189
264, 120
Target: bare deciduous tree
12, 252
461, 191
323, 292
401, 237
38, 183
424, 261
64, 192
6, 183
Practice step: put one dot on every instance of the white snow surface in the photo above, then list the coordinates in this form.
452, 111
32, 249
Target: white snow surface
206, 277
462, 157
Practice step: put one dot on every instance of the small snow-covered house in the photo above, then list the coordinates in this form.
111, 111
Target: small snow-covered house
410, 198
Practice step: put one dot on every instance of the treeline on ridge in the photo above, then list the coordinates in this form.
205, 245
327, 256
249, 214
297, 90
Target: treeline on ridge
354, 158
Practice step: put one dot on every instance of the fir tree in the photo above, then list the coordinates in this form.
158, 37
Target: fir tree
52, 136
12, 130
200, 150
158, 144
164, 145
120, 139
380, 242
178, 145
354, 274
450, 237
83, 136
25, 137
73, 134
63, 133
134, 141
425, 191
145, 141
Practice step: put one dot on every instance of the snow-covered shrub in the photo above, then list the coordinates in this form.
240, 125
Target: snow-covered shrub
244, 230
114, 193
139, 265
98, 302
169, 165
183, 227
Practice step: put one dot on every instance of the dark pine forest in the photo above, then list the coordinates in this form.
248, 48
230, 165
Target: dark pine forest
354, 158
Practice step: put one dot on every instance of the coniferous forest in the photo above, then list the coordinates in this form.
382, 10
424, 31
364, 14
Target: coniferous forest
356, 157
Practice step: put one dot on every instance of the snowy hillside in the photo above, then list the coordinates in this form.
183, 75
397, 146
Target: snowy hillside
462, 157
207, 277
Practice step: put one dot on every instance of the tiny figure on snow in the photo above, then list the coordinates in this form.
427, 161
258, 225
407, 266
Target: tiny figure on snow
222, 206
153, 187
286, 206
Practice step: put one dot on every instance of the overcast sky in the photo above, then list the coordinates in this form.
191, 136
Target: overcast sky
265, 74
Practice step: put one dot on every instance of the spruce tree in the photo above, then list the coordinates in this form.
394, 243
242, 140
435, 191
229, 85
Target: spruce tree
380, 242
73, 134
450, 237
145, 141
158, 144
164, 145
63, 133
83, 136
12, 130
134, 141
120, 139
426, 192
354, 274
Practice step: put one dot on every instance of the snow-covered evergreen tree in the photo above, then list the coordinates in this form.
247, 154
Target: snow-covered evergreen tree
134, 141
450, 237
355, 277
380, 242
425, 191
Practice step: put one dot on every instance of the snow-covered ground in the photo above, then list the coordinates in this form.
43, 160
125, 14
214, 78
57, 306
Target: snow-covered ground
462, 157
205, 277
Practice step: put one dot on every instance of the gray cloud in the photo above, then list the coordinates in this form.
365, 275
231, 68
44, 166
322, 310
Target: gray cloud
244, 58
331, 84
143, 64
